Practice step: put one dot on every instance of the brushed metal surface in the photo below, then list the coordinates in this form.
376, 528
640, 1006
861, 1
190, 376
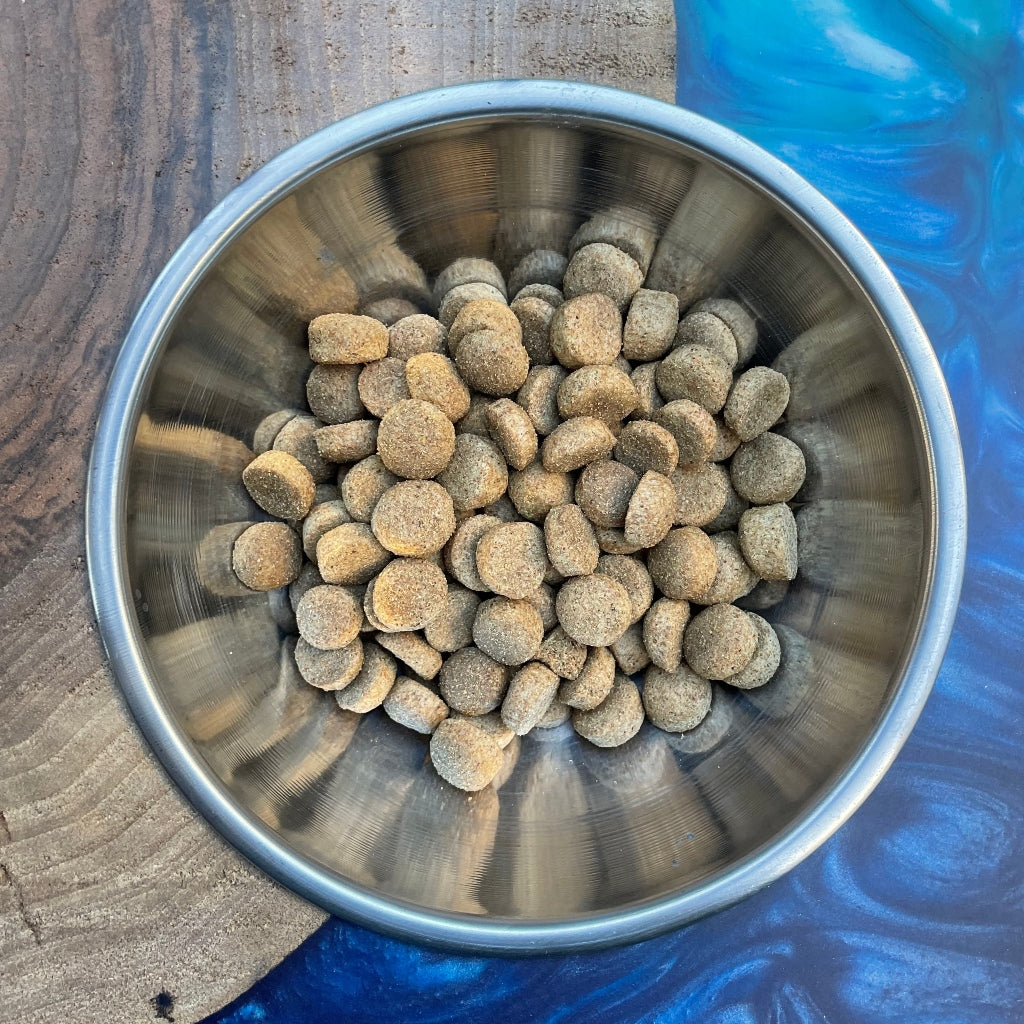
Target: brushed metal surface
578, 847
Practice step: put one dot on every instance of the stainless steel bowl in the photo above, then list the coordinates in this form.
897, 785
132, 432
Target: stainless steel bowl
579, 847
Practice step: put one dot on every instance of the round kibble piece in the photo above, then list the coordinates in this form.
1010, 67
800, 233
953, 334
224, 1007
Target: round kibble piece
542, 266
323, 517
512, 559
267, 556
415, 706
464, 756
492, 362
460, 554
350, 554
594, 682
628, 229
767, 594
633, 575
415, 440
539, 397
734, 578
530, 693
719, 641
732, 510
298, 438
576, 443
545, 292
433, 378
373, 683
708, 332
513, 432
413, 335
329, 670
463, 295
563, 655
693, 428
535, 315
613, 542
765, 661
382, 384
664, 625
347, 442
649, 399
629, 651
408, 593
363, 486
603, 269
483, 315
414, 518
768, 470
535, 492
676, 701
558, 713
616, 719
737, 319
308, 577
280, 484
586, 331
414, 651
650, 325
491, 724
701, 492
477, 474
329, 617
603, 491
756, 402
472, 682
684, 564
768, 539
645, 446
347, 338
570, 540
452, 628
594, 610
508, 631
696, 373
467, 270
333, 393
543, 599
601, 391
651, 510
268, 428
725, 443
475, 421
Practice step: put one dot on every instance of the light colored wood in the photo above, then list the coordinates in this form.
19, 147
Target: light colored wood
123, 124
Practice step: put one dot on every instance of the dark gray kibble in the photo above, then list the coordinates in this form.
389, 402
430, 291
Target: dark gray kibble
729, 517
390, 310
767, 594
472, 682
298, 438
545, 292
535, 315
329, 670
542, 266
268, 428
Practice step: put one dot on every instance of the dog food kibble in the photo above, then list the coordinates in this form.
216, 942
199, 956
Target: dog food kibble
530, 693
633, 575
616, 719
492, 362
363, 485
513, 432
768, 470
542, 266
382, 384
408, 593
601, 391
460, 553
535, 491
586, 331
575, 443
347, 442
732, 510
613, 542
332, 393
734, 578
308, 578
509, 631
539, 397
268, 428
483, 315
649, 399
452, 628
604, 269
692, 427
765, 662
463, 755
462, 295
472, 682
502, 509
414, 518
664, 625
650, 325
415, 706
279, 484
467, 270
756, 402
491, 724
543, 599
349, 554
708, 331
594, 681
390, 311
534, 316
725, 443
558, 713
570, 540
594, 610
651, 510
433, 378
414, 335
372, 684
415, 440
512, 559
545, 292
413, 651
684, 564
719, 641
677, 700
739, 322
329, 670
347, 338
322, 517
563, 655
629, 651
298, 438
628, 229
701, 492
477, 474
603, 491
768, 539
267, 556
696, 373
329, 617
644, 446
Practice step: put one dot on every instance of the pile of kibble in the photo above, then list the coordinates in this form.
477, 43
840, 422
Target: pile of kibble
535, 501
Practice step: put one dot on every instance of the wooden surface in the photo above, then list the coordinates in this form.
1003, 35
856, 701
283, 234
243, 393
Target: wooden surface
123, 124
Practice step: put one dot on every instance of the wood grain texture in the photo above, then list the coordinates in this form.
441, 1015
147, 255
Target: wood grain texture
123, 124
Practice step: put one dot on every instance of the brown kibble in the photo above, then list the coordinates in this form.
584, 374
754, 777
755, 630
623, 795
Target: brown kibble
415, 440
539, 397
768, 539
586, 331
530, 693
298, 439
601, 268
279, 484
603, 491
267, 556
329, 670
467, 270
570, 541
513, 432
493, 362
542, 266
413, 335
462, 295
616, 719
483, 315
463, 755
695, 373
701, 492
268, 428
512, 559
613, 542
691, 426
412, 650
535, 492
349, 554
593, 683
535, 315
646, 446
766, 658
408, 593
650, 325
477, 474
604, 392
329, 617
737, 319
629, 651
414, 518
333, 393
719, 641
633, 575
390, 310
575, 443
382, 384
452, 628
649, 399
475, 421
734, 578
347, 338
509, 631
651, 510
708, 332
415, 706
472, 682
725, 443
756, 402
594, 610
347, 442
460, 554
768, 470
363, 486
664, 625
558, 713
676, 701
433, 378
684, 564
563, 655
372, 684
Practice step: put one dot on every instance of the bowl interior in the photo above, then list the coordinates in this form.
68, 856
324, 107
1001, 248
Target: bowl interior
573, 831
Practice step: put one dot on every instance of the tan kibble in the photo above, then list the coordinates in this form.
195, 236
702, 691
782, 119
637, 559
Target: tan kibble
756, 402
535, 315
509, 631
545, 292
768, 470
492, 362
542, 266
408, 593
415, 706
603, 491
650, 325
329, 670
535, 491
460, 553
413, 651
347, 442
602, 268
558, 713
627, 228
347, 338
616, 719
613, 541
646, 446
414, 518
629, 651
390, 310
467, 270
563, 655
477, 474
375, 625
593, 683
415, 440
696, 373
768, 539
464, 756
684, 564
725, 443
372, 684
363, 486
693, 428
586, 331
382, 384
701, 492
732, 510
333, 393
604, 392
268, 428
452, 628
413, 335
530, 693
543, 599
433, 378
279, 484
677, 700
512, 559
267, 556
483, 315
576, 443
648, 398
765, 661
708, 332
298, 439
737, 319
719, 641
308, 577
463, 295
664, 625
539, 397
734, 578
594, 610
475, 421
513, 432
651, 510
472, 682
633, 575
491, 724
350, 554
329, 617
570, 541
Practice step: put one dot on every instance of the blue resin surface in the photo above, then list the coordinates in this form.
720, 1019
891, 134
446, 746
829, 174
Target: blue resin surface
910, 116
